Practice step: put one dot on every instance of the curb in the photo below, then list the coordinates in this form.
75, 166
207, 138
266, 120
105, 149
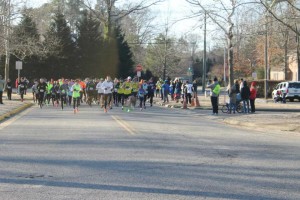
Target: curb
15, 111
209, 108
291, 128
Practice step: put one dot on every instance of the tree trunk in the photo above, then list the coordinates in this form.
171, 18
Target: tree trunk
286, 55
230, 56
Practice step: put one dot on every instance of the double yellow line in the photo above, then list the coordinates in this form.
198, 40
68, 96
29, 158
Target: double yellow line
122, 123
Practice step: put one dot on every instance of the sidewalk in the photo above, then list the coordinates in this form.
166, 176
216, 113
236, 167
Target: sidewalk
15, 106
286, 119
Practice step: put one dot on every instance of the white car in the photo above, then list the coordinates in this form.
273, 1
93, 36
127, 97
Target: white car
290, 89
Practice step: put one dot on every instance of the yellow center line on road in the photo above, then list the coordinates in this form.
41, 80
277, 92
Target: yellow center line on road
123, 124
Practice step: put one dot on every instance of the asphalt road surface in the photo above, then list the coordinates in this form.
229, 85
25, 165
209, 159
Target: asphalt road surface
154, 154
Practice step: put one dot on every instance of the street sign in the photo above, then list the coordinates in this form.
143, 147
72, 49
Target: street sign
254, 75
139, 68
18, 65
139, 73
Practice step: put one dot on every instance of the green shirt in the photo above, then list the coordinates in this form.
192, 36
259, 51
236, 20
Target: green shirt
76, 91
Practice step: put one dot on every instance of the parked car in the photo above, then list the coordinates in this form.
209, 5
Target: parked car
290, 90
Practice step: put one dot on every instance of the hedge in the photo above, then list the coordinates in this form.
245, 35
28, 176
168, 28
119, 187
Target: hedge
260, 85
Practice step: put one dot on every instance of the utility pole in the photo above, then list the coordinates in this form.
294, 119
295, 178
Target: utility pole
225, 66
7, 38
298, 56
204, 57
266, 59
165, 57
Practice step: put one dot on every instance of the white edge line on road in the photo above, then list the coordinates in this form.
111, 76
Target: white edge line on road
15, 118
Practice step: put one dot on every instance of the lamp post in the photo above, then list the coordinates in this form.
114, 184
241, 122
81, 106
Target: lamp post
190, 73
204, 57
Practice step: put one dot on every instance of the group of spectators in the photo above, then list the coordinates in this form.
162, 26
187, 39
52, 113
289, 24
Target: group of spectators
239, 92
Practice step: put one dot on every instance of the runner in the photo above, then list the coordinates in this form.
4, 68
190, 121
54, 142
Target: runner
22, 86
82, 93
145, 88
64, 89
100, 93
70, 92
107, 86
35, 91
49, 91
41, 88
90, 91
8, 88
127, 86
55, 94
120, 92
141, 96
115, 93
135, 86
151, 90
76, 88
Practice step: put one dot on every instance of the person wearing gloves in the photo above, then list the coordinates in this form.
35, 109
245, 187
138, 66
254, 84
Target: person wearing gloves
107, 87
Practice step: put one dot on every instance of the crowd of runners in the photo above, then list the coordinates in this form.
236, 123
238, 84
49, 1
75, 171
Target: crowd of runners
103, 92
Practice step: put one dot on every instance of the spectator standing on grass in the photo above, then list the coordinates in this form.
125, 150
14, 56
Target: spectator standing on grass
189, 92
253, 92
195, 87
166, 90
2, 87
158, 88
214, 95
245, 93
241, 84
177, 90
232, 92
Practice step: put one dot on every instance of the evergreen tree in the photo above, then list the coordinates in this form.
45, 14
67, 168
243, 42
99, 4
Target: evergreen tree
61, 59
126, 63
90, 46
116, 57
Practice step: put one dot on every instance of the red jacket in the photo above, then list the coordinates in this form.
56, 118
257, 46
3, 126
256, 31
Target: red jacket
252, 93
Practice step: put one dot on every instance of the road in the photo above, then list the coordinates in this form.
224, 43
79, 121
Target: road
154, 154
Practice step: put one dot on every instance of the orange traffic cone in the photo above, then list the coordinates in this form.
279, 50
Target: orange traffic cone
193, 102
197, 103
184, 104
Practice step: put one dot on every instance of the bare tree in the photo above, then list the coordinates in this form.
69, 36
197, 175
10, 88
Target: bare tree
273, 6
222, 15
139, 29
6, 14
108, 13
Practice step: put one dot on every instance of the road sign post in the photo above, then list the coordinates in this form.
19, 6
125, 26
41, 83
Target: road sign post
19, 67
139, 69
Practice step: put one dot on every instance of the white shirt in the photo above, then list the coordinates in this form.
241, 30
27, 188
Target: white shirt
99, 88
107, 87
189, 88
